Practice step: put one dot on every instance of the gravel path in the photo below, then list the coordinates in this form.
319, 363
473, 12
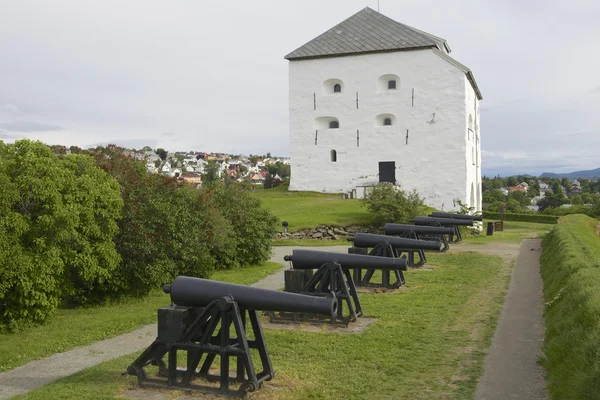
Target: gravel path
511, 370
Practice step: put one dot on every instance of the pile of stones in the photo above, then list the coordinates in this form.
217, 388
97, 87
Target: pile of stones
324, 232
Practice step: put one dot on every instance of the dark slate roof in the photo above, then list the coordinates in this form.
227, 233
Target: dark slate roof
367, 31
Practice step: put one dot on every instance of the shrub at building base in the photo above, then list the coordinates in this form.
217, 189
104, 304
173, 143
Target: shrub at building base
390, 204
571, 271
57, 222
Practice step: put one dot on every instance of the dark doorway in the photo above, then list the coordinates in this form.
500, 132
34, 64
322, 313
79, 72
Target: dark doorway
387, 172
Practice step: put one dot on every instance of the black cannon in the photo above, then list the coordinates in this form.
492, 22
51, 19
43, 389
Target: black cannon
451, 222
437, 214
434, 233
333, 275
200, 323
391, 246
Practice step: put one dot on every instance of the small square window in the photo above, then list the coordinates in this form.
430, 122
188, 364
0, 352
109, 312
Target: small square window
392, 84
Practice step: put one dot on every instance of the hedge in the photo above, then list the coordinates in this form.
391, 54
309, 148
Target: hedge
540, 219
570, 265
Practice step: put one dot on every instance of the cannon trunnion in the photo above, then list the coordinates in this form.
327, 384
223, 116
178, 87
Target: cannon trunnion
207, 320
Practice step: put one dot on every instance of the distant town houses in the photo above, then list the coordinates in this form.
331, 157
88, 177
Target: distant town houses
519, 188
190, 166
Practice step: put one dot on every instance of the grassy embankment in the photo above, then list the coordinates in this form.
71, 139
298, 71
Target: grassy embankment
571, 272
429, 341
81, 326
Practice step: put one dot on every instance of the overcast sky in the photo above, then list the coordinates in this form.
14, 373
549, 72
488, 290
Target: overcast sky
210, 76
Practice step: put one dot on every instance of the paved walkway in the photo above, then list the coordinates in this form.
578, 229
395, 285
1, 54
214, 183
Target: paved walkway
37, 373
511, 370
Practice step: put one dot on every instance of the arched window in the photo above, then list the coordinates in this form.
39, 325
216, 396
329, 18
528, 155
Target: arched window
387, 122
333, 154
392, 84
337, 88
334, 125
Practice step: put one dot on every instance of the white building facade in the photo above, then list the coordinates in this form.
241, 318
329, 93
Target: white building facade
373, 100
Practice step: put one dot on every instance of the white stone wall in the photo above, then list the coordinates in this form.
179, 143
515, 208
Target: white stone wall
437, 159
473, 147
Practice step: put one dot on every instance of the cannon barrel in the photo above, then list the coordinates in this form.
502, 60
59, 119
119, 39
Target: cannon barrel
366, 240
196, 292
399, 229
441, 221
438, 214
311, 259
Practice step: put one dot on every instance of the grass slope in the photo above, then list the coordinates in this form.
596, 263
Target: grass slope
429, 342
82, 326
571, 272
305, 210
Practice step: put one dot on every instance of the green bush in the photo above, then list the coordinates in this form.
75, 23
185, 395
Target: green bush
571, 272
57, 221
540, 219
392, 205
163, 232
253, 225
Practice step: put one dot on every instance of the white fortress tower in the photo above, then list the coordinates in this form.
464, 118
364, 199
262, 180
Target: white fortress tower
373, 100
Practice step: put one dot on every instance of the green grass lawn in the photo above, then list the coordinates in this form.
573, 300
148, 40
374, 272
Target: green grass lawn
81, 326
428, 342
305, 210
514, 232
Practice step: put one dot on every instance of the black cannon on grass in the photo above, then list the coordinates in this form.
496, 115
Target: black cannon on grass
390, 246
333, 276
208, 319
432, 233
448, 222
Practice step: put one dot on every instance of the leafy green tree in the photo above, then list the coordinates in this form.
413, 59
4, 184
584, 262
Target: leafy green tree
211, 172
254, 226
586, 198
162, 153
164, 230
512, 181
393, 205
284, 170
57, 224
146, 148
577, 200
268, 184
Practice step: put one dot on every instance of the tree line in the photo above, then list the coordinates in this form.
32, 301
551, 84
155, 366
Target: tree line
518, 201
80, 228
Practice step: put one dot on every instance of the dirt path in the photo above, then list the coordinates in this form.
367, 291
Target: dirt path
511, 370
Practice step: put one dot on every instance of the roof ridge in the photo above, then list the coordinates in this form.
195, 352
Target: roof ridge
366, 31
